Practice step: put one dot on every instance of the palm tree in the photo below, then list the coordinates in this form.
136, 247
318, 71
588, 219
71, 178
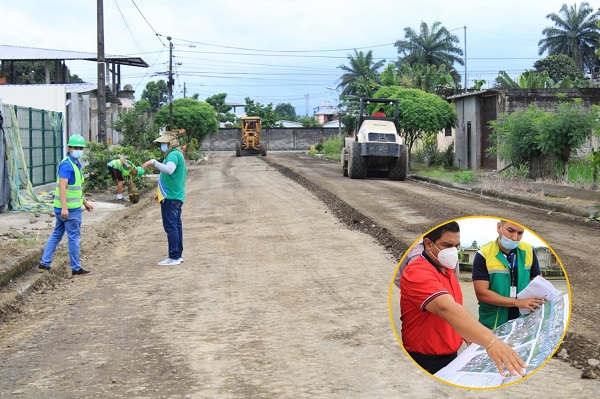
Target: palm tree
435, 46
361, 74
575, 34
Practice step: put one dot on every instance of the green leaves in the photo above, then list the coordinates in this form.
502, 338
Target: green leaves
525, 135
196, 117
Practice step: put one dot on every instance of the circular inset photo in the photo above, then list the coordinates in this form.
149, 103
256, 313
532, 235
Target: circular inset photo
480, 302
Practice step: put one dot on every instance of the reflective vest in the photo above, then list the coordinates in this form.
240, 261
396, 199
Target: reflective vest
74, 191
117, 164
493, 316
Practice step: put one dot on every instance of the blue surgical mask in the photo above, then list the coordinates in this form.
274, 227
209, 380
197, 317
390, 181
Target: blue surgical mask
164, 147
507, 243
77, 154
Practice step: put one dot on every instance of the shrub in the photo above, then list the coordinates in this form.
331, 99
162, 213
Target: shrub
97, 157
333, 146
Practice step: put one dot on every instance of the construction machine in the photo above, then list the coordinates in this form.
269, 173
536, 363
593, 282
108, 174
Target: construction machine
377, 144
251, 142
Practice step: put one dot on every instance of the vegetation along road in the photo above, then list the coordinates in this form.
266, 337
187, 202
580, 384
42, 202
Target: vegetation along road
283, 293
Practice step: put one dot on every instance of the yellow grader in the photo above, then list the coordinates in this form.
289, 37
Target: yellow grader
250, 142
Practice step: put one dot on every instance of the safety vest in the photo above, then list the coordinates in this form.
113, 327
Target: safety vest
74, 191
117, 164
493, 316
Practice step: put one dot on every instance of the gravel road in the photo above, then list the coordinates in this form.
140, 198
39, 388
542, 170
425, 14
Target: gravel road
277, 296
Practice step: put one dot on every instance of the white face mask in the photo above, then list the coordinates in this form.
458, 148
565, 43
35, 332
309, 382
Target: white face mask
447, 257
77, 154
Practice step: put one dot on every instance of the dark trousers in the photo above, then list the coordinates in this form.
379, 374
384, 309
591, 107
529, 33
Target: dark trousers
432, 363
171, 217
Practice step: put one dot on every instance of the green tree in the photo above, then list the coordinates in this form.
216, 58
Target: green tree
156, 93
575, 34
286, 112
34, 72
265, 112
360, 74
424, 77
221, 108
389, 76
421, 113
544, 141
430, 46
349, 120
308, 121
137, 129
567, 130
558, 67
515, 139
196, 117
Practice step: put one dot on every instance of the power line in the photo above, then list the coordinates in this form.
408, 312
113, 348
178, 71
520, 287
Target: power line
193, 42
153, 30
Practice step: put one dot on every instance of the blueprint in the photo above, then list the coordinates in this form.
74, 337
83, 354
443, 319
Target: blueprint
534, 337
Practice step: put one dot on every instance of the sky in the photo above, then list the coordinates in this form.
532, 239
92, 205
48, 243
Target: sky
273, 51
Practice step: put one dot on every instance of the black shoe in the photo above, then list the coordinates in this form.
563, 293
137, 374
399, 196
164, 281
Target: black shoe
80, 272
43, 268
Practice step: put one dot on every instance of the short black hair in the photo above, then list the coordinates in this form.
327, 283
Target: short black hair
381, 109
436, 233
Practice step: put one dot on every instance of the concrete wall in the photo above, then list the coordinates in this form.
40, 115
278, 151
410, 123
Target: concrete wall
276, 138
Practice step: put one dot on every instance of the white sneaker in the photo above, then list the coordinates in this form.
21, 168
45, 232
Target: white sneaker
181, 260
169, 262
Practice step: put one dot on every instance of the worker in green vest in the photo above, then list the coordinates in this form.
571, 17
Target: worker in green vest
68, 200
502, 269
120, 169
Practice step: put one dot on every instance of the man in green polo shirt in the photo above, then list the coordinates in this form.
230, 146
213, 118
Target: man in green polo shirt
171, 194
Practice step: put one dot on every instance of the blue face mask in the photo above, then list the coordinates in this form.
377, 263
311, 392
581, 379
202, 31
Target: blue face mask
164, 147
507, 243
77, 154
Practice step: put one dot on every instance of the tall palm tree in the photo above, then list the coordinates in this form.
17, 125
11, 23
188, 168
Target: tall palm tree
575, 34
361, 73
435, 46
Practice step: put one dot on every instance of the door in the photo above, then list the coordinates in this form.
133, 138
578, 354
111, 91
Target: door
488, 113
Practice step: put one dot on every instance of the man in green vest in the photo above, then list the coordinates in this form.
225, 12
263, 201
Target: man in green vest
68, 200
120, 169
502, 269
171, 194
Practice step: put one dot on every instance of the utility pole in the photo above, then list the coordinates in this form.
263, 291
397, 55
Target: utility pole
101, 75
465, 34
184, 90
170, 85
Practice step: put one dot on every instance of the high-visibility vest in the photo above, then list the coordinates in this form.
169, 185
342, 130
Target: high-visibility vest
117, 164
74, 191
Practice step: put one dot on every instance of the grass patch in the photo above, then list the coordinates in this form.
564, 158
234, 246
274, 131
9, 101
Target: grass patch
581, 171
457, 176
464, 176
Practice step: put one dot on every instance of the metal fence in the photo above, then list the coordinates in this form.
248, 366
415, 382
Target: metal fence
41, 134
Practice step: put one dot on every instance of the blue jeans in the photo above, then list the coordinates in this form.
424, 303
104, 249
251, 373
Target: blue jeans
72, 225
171, 217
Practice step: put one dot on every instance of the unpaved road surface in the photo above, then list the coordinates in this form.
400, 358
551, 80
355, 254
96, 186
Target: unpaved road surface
276, 298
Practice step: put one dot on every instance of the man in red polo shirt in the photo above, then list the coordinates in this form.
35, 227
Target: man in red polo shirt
434, 322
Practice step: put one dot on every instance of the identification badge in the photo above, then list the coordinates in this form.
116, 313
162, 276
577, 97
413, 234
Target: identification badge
513, 291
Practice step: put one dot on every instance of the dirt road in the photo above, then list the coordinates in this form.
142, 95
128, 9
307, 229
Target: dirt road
276, 298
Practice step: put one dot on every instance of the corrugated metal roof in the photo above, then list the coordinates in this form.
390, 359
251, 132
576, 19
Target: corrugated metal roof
17, 53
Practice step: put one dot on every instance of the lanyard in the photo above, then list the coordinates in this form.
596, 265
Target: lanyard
512, 266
